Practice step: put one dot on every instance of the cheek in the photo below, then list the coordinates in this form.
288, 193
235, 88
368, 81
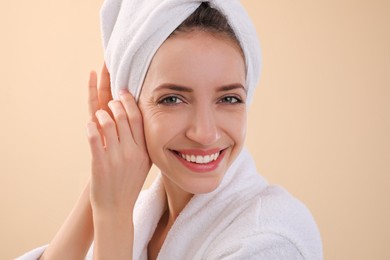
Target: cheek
160, 127
234, 124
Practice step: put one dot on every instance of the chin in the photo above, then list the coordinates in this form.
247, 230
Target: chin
206, 185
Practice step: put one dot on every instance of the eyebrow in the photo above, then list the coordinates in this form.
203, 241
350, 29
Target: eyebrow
189, 90
231, 87
173, 87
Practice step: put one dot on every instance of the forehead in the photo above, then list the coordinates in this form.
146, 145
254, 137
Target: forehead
197, 58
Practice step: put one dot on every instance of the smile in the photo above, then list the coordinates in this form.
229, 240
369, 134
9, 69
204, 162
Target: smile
200, 159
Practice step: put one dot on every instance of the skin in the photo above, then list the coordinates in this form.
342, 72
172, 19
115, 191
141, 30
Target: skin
207, 112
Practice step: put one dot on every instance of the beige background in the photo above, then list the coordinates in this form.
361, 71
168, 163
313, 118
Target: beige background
319, 124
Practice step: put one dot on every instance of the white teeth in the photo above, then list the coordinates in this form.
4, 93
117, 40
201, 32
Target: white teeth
199, 158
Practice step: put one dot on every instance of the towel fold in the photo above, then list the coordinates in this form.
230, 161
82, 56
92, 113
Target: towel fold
244, 218
133, 30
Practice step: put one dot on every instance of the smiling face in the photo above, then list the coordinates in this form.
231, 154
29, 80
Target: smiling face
194, 111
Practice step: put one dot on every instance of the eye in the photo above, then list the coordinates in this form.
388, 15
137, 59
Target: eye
170, 100
230, 100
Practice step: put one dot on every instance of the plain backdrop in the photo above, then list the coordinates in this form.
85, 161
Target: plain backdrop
319, 124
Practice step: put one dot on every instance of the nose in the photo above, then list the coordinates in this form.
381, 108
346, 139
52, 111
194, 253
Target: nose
203, 127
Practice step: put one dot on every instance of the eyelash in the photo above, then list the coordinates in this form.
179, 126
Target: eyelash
165, 100
233, 100
236, 99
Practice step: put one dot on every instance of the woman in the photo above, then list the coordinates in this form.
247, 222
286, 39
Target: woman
190, 121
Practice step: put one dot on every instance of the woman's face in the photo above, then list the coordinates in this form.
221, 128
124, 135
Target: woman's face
193, 107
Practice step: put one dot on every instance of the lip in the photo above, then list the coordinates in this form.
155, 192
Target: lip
200, 152
200, 168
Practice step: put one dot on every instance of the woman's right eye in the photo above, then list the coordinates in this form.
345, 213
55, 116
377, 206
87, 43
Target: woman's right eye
170, 100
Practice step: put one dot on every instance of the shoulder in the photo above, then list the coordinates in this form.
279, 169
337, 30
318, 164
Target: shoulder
281, 214
274, 225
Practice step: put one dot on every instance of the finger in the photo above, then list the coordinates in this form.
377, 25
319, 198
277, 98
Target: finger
133, 116
105, 89
108, 128
95, 143
93, 100
122, 123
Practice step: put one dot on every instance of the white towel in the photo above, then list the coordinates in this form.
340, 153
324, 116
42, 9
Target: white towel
133, 30
244, 218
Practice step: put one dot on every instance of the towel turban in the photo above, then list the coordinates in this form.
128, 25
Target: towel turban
133, 30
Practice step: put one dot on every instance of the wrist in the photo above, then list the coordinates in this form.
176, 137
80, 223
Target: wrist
106, 207
113, 234
112, 215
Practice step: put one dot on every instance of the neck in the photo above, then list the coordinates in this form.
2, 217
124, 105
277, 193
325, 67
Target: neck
177, 199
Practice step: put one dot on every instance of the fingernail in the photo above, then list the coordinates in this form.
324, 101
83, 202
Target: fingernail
90, 126
123, 91
99, 113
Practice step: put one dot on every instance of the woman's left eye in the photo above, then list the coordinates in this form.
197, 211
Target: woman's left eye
170, 100
230, 100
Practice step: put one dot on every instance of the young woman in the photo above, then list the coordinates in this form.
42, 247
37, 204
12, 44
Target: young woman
191, 68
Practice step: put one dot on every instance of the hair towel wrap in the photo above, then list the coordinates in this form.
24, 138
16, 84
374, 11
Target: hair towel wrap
133, 30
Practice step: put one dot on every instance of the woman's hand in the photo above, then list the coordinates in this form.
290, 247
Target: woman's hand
120, 161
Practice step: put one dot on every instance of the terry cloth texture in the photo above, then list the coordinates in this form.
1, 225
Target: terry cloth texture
244, 218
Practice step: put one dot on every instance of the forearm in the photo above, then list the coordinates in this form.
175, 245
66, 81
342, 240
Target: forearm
75, 236
114, 234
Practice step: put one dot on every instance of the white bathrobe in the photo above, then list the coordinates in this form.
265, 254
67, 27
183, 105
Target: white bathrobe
244, 218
